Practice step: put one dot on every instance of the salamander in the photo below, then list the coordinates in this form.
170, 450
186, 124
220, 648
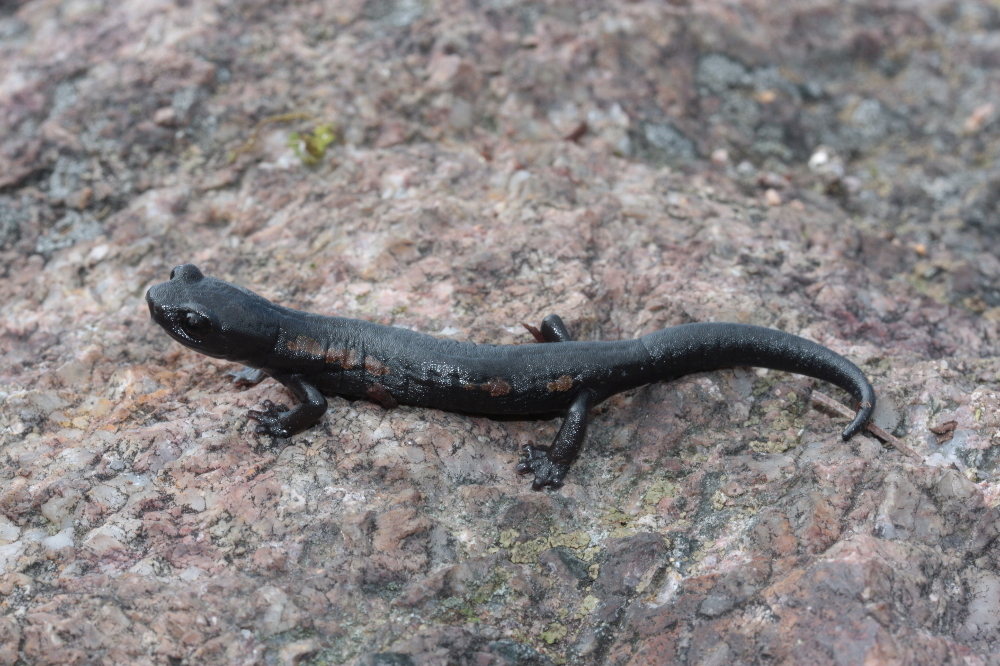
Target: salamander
315, 356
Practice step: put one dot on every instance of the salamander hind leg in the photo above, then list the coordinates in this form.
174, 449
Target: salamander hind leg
549, 464
553, 330
279, 421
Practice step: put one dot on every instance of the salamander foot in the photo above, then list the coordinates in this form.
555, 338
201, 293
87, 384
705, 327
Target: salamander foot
547, 472
269, 421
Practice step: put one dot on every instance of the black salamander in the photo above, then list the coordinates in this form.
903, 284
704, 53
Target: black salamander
314, 355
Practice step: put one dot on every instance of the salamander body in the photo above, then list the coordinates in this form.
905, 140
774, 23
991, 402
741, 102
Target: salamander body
316, 355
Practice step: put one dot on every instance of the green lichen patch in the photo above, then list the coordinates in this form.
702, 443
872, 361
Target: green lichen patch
658, 490
554, 633
310, 147
526, 552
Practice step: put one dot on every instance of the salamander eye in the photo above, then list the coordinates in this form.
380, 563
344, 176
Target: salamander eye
195, 325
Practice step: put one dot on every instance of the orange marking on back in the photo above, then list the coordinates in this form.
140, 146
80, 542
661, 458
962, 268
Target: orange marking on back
373, 366
305, 345
563, 383
346, 358
496, 387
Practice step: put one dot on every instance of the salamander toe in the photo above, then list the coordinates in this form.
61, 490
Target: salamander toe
547, 472
269, 421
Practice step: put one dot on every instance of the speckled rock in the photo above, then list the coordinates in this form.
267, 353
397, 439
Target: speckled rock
824, 168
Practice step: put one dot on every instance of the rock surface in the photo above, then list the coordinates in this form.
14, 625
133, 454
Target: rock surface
827, 168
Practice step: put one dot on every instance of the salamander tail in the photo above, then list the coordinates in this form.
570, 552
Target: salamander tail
865, 411
691, 348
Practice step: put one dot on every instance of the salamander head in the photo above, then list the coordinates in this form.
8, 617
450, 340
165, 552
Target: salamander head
212, 316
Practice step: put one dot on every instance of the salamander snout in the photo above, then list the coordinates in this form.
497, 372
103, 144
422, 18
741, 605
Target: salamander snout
156, 296
155, 311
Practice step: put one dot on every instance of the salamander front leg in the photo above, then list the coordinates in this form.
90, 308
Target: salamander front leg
279, 421
553, 330
550, 463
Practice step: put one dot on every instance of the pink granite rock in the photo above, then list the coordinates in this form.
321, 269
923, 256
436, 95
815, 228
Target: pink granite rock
824, 168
